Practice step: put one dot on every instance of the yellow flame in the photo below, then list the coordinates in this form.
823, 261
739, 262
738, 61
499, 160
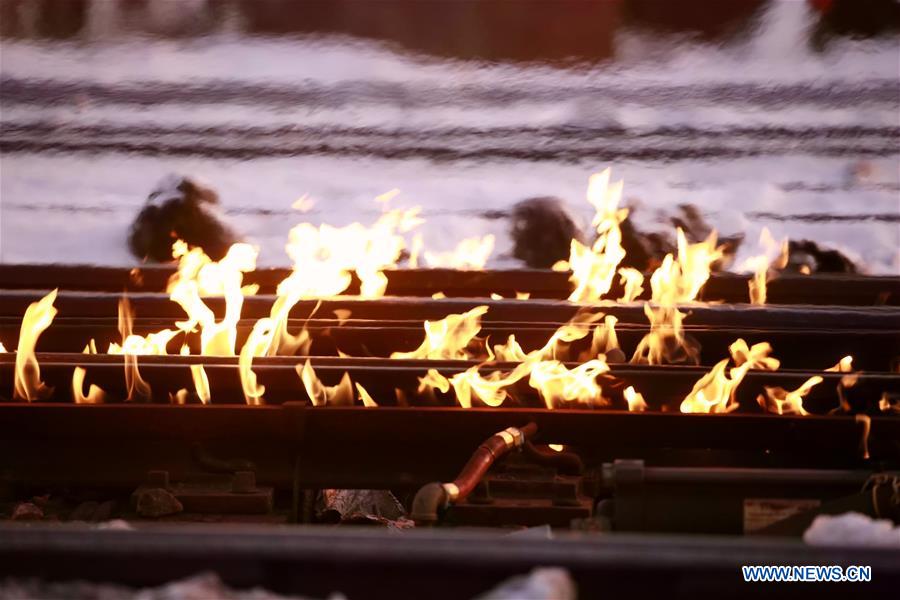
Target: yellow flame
556, 447
634, 399
95, 395
558, 385
757, 355
321, 394
365, 397
199, 276
681, 279
774, 257
666, 342
845, 365
304, 203
201, 381
27, 384
433, 380
325, 256
632, 280
258, 343
449, 337
593, 268
469, 254
784, 402
715, 391
2, 348
604, 339
523, 295
133, 346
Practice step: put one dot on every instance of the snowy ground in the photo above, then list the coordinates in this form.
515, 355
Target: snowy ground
760, 132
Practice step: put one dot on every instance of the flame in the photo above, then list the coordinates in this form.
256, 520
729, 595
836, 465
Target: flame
594, 267
201, 382
784, 402
556, 447
495, 296
633, 281
666, 342
304, 203
757, 356
557, 384
845, 365
447, 338
433, 380
258, 343
714, 392
321, 394
604, 339
866, 430
490, 390
634, 399
95, 394
774, 256
519, 296
469, 254
438, 295
325, 256
27, 384
365, 397
199, 276
681, 279
2, 348
133, 346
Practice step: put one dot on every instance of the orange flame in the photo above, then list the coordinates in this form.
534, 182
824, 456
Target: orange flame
27, 384
321, 394
634, 399
715, 391
447, 338
325, 256
258, 343
199, 276
633, 281
133, 346
558, 385
201, 381
666, 342
95, 395
469, 254
784, 402
593, 268
774, 256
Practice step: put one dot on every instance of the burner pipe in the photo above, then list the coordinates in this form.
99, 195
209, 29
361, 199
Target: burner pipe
433, 497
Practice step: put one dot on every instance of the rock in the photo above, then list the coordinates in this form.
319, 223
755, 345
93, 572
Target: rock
179, 208
156, 502
808, 257
27, 511
542, 231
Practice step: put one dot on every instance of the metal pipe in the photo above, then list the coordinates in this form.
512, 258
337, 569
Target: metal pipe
434, 497
844, 289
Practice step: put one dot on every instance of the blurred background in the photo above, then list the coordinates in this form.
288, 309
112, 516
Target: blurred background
784, 114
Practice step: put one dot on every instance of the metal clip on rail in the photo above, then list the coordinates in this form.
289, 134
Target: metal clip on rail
435, 497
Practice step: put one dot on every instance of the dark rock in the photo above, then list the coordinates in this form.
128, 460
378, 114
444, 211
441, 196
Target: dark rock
179, 208
27, 511
542, 231
808, 257
84, 511
156, 502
